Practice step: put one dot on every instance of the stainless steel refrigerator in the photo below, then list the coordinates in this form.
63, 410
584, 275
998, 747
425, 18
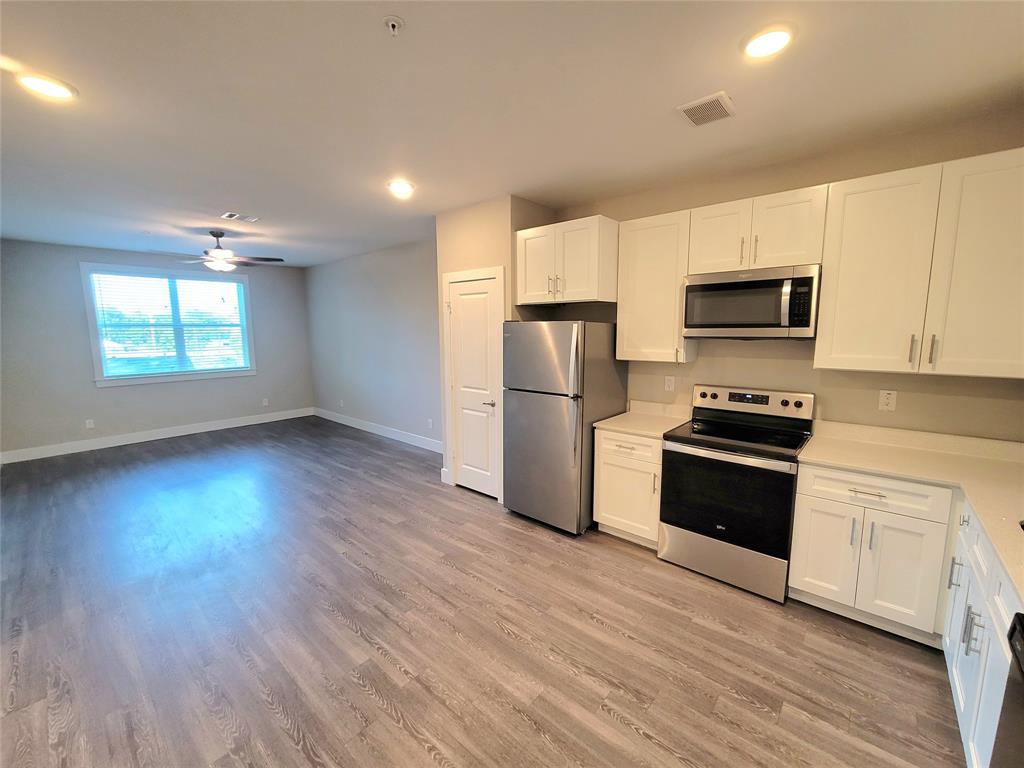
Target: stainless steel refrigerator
559, 378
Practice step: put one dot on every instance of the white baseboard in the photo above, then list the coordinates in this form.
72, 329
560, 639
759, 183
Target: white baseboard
110, 441
446, 476
379, 429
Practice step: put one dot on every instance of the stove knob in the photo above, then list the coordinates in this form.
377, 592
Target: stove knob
799, 403
714, 395
785, 403
703, 395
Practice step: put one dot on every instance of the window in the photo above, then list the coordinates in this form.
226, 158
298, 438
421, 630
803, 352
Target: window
153, 325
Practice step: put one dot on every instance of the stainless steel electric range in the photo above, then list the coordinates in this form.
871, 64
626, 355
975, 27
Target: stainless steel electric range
729, 483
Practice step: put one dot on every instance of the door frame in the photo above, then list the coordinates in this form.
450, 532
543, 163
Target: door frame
449, 472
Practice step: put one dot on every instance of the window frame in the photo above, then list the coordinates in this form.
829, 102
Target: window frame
88, 269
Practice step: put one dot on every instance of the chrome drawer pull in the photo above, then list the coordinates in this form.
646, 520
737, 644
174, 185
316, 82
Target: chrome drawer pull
968, 618
625, 447
969, 644
859, 492
952, 566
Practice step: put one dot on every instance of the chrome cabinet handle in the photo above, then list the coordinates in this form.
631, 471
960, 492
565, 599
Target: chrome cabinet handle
491, 403
910, 354
549, 285
654, 482
743, 241
965, 521
859, 492
931, 350
968, 619
556, 285
853, 529
756, 238
871, 536
952, 567
625, 447
969, 643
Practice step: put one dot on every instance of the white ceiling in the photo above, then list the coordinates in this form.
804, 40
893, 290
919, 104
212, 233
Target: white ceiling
300, 112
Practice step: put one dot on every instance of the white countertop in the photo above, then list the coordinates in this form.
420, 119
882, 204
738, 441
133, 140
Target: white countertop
646, 419
989, 472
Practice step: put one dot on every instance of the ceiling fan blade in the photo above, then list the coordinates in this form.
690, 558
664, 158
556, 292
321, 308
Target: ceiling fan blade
194, 261
256, 259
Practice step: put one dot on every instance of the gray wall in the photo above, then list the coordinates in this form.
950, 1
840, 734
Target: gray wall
47, 384
950, 404
373, 329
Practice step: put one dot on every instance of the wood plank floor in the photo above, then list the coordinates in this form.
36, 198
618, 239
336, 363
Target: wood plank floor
305, 594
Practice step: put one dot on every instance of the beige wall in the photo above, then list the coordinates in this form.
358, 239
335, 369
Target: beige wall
969, 406
373, 333
46, 369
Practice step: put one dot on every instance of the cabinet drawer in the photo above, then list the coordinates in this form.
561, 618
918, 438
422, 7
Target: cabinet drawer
925, 502
630, 446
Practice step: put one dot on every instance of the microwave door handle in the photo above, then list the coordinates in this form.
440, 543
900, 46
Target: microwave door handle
787, 288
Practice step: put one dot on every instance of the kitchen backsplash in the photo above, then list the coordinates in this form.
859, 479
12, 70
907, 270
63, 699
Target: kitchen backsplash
991, 408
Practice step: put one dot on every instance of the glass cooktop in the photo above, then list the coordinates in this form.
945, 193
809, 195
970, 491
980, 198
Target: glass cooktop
740, 438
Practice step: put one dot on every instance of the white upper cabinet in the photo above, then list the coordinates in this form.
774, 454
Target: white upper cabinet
975, 320
535, 265
780, 230
788, 228
877, 256
720, 237
652, 268
569, 261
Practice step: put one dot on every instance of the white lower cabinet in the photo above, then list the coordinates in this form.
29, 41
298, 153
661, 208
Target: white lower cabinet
877, 562
627, 489
980, 605
826, 548
899, 568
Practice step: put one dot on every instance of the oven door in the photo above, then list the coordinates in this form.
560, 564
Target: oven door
742, 500
762, 303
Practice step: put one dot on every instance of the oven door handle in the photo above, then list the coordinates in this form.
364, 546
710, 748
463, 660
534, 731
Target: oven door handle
774, 465
787, 290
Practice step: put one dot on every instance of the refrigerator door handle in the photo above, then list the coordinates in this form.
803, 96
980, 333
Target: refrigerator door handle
573, 354
575, 400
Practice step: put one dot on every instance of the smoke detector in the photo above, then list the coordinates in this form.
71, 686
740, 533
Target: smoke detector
708, 109
232, 216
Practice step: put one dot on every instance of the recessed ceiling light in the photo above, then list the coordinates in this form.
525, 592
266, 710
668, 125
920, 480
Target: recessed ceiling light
47, 87
401, 188
768, 42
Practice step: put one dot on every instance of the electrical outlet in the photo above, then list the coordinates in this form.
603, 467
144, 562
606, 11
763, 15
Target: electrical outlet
887, 400
430, 423
90, 424
266, 402
670, 383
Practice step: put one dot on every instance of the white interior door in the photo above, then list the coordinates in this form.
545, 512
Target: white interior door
975, 320
900, 564
826, 548
876, 260
789, 227
475, 316
720, 237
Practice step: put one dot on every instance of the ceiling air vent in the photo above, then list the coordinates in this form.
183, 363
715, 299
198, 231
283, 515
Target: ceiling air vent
230, 215
708, 109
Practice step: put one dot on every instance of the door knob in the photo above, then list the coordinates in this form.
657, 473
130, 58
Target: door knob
491, 403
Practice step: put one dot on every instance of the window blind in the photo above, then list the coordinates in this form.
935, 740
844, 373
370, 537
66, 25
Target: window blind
152, 325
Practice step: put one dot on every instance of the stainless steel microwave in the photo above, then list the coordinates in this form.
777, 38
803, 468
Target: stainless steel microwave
759, 303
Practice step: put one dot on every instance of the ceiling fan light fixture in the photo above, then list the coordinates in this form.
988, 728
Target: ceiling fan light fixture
47, 87
401, 188
220, 254
220, 266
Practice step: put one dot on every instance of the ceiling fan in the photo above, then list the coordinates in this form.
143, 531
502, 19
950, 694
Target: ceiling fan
224, 260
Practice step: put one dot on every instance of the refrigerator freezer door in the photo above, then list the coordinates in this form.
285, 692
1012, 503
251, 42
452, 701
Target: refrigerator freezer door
543, 356
543, 458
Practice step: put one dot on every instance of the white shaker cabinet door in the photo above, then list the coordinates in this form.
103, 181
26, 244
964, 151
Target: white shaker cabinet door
826, 548
720, 237
788, 228
652, 267
535, 265
627, 494
975, 320
877, 256
900, 564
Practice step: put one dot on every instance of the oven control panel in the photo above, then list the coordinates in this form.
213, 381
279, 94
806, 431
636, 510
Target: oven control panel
798, 405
